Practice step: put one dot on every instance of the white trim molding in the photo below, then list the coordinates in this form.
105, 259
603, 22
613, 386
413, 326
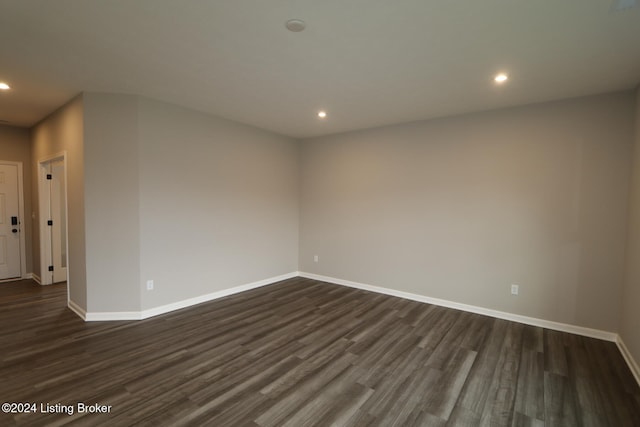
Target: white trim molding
44, 196
556, 326
631, 362
145, 314
77, 309
214, 295
36, 278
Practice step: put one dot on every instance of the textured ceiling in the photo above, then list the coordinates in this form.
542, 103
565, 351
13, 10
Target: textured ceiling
366, 62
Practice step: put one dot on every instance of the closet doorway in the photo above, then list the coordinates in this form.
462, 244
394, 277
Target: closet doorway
52, 180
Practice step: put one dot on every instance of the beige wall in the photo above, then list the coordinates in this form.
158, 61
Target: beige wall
629, 330
456, 208
460, 208
218, 203
15, 147
196, 203
111, 202
63, 131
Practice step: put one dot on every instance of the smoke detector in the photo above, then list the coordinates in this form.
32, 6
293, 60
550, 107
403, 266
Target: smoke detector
295, 25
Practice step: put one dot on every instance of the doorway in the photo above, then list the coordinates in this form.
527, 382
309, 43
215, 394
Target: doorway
52, 180
12, 241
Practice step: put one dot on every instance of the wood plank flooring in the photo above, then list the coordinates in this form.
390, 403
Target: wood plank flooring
302, 353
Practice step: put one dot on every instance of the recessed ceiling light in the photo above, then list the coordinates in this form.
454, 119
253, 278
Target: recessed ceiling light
295, 25
322, 114
4, 86
501, 78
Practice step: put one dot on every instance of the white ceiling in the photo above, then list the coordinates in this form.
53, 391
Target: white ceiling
367, 62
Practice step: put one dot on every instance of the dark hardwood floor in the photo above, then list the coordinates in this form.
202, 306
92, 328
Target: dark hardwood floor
302, 352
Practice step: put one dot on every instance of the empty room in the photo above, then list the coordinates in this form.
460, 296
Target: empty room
301, 213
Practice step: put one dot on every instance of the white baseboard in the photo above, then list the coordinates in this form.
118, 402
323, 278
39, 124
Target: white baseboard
77, 309
103, 316
215, 295
36, 278
145, 314
556, 326
27, 276
631, 362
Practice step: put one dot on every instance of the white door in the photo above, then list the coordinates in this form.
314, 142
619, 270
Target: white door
9, 223
59, 219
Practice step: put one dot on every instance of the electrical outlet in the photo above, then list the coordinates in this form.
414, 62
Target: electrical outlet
149, 285
515, 289
315, 258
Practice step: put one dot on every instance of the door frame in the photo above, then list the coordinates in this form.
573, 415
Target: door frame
43, 206
23, 221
